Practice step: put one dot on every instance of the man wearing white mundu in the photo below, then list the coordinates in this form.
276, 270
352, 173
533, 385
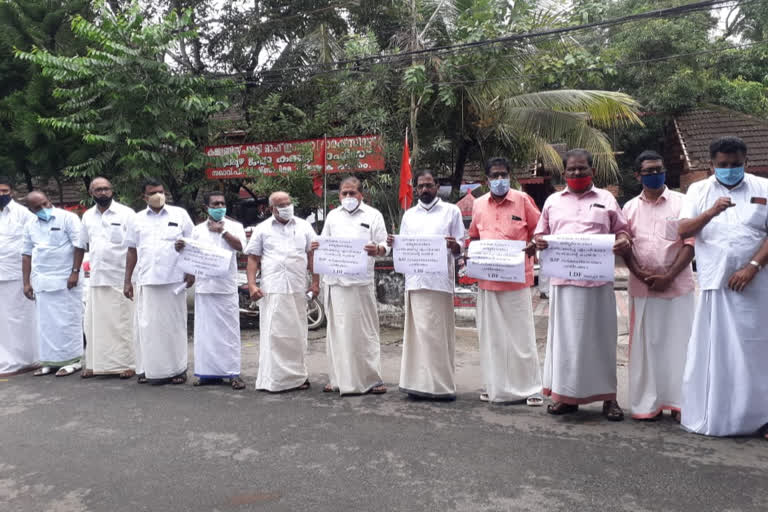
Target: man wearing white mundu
352, 341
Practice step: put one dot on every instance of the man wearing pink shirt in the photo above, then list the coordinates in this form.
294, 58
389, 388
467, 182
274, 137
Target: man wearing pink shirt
580, 364
508, 353
661, 293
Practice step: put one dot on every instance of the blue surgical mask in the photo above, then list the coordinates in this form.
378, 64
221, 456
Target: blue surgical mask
500, 187
217, 213
654, 180
729, 175
45, 214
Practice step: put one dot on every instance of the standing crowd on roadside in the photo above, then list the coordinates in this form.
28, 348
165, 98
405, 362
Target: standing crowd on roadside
701, 358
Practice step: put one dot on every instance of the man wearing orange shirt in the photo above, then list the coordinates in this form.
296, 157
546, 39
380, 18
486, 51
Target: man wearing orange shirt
508, 353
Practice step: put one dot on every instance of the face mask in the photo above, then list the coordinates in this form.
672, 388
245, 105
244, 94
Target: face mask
285, 212
500, 187
579, 184
653, 180
45, 214
4, 200
730, 176
350, 203
103, 201
156, 200
217, 213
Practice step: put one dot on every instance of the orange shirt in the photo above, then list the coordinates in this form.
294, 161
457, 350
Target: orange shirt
514, 218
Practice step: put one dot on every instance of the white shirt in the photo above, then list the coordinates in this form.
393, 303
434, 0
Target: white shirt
52, 247
13, 218
442, 219
730, 240
365, 222
104, 233
154, 236
283, 249
225, 283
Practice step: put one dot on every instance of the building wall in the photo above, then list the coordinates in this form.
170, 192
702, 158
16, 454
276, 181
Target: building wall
691, 176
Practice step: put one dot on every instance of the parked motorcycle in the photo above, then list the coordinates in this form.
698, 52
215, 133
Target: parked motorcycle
250, 308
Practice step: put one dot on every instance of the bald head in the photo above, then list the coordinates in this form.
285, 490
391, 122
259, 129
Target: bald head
37, 200
279, 199
97, 183
101, 192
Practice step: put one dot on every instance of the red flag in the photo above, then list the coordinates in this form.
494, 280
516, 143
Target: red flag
317, 185
406, 187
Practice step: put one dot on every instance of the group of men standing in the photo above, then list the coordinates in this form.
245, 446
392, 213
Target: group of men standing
703, 363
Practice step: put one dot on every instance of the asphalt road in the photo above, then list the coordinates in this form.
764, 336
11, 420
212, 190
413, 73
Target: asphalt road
70, 445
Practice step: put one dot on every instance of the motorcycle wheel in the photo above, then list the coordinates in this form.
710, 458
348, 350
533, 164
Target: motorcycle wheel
315, 314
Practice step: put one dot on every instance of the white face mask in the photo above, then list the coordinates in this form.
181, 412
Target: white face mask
285, 212
350, 203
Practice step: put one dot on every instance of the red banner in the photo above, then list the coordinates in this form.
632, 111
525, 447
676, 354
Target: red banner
345, 154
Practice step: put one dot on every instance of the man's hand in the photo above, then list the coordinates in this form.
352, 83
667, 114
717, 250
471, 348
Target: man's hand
722, 204
541, 244
128, 290
255, 292
72, 280
314, 245
452, 244
658, 282
530, 249
189, 279
622, 245
216, 227
740, 279
372, 249
390, 240
314, 289
179, 246
29, 292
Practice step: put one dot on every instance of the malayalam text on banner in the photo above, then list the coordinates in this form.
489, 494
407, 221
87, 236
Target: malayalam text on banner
422, 254
579, 257
203, 260
341, 256
497, 260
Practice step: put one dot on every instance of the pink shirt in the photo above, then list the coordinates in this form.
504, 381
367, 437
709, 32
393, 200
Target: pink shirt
514, 218
593, 212
655, 242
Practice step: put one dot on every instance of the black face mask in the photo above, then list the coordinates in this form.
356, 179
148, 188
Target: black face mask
103, 201
4, 200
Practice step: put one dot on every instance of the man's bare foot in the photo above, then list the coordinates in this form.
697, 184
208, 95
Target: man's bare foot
676, 416
127, 374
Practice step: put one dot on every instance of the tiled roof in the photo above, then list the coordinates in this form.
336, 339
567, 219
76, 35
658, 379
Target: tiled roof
697, 128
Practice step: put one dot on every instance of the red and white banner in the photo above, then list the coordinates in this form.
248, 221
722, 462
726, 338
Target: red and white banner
345, 154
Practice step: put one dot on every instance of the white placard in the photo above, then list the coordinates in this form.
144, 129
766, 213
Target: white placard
203, 260
341, 257
497, 260
579, 257
420, 254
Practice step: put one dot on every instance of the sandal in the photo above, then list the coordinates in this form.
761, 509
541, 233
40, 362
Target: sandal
87, 374
612, 411
127, 374
207, 381
329, 389
534, 401
237, 383
560, 408
379, 390
141, 378
484, 397
676, 416
179, 379
45, 370
68, 370
304, 386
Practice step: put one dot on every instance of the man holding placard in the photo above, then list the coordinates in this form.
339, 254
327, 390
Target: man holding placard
217, 312
661, 294
429, 338
352, 340
280, 248
508, 354
580, 363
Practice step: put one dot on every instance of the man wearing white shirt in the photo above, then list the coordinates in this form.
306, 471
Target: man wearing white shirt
280, 248
18, 345
725, 385
108, 313
217, 311
429, 337
161, 304
51, 259
352, 341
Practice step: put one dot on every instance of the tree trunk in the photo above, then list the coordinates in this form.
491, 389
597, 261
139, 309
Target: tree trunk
414, 119
462, 154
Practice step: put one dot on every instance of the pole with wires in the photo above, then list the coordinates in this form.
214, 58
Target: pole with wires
325, 176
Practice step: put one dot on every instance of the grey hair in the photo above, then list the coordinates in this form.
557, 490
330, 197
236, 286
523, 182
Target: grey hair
276, 193
353, 180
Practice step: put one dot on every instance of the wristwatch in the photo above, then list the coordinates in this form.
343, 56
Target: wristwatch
223, 233
755, 263
75, 270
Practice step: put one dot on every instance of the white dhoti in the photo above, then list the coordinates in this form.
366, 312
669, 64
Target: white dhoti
161, 331
508, 354
18, 348
282, 342
108, 331
725, 385
580, 365
60, 326
429, 341
658, 341
352, 340
217, 335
